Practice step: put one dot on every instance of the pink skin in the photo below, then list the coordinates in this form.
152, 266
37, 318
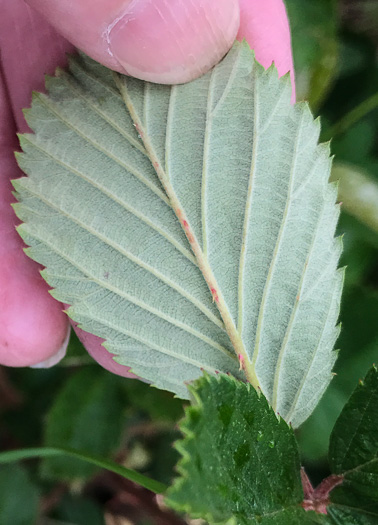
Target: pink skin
32, 325
94, 347
166, 41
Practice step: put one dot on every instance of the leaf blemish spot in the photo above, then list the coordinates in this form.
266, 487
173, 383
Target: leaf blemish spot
215, 295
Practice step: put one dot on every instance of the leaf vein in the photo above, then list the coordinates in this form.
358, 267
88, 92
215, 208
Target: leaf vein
305, 375
252, 173
96, 109
53, 109
295, 310
119, 201
277, 247
166, 280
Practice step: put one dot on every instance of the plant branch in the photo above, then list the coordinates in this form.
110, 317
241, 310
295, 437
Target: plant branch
353, 116
318, 499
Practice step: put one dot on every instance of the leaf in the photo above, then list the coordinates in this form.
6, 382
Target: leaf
79, 511
360, 331
353, 454
159, 405
202, 234
18, 496
89, 400
240, 464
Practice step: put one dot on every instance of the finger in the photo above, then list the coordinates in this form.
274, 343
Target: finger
27, 54
33, 327
95, 348
265, 26
32, 322
165, 41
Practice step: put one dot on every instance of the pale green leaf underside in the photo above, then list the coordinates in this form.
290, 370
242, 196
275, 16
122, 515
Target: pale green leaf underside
242, 170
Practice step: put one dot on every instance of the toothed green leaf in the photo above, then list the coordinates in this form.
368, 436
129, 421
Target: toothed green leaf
240, 464
189, 225
353, 454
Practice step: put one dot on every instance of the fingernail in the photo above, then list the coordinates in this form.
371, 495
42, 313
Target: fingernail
172, 41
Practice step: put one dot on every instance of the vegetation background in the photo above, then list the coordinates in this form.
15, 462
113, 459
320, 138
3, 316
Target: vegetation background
77, 404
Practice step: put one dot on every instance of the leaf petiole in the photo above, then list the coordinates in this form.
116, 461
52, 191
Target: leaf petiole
44, 452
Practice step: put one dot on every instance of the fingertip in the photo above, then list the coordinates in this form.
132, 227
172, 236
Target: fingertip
33, 328
163, 41
57, 356
266, 29
95, 348
173, 41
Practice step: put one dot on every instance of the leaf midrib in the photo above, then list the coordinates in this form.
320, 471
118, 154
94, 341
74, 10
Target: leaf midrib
203, 263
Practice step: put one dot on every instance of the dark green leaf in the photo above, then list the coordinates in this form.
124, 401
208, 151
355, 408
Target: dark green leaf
79, 511
359, 349
18, 496
160, 405
354, 453
238, 460
345, 516
87, 415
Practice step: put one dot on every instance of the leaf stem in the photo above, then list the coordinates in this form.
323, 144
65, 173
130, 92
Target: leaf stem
45, 452
353, 116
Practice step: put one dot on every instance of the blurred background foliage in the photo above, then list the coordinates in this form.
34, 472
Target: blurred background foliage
79, 405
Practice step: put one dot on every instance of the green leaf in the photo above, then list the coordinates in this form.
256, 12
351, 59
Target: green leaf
160, 405
45, 452
345, 516
353, 455
18, 496
87, 415
240, 463
359, 343
192, 229
79, 511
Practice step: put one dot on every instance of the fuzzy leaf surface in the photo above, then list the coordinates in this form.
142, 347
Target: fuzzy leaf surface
354, 455
240, 464
189, 225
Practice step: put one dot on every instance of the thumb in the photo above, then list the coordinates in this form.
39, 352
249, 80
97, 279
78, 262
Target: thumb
164, 41
265, 26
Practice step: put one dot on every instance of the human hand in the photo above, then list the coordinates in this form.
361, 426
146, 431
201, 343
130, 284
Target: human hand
166, 41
